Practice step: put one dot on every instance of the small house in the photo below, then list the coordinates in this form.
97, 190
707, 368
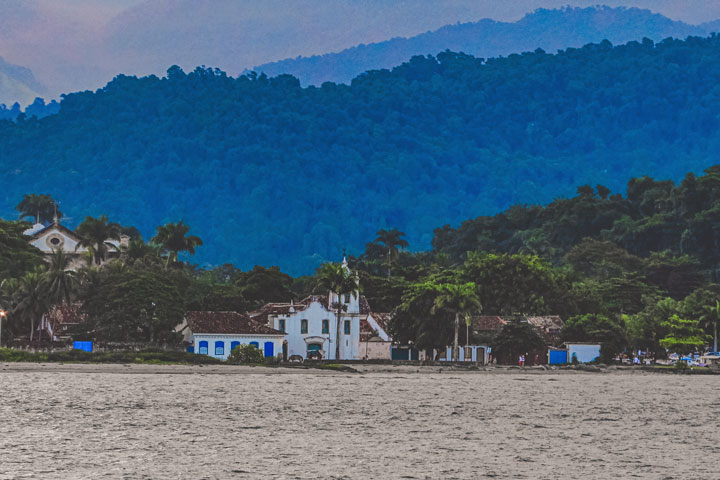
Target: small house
216, 333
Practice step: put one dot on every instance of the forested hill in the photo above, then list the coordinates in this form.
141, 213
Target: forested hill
267, 172
548, 29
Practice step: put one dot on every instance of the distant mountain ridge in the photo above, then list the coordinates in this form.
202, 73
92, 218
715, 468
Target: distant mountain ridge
550, 30
18, 84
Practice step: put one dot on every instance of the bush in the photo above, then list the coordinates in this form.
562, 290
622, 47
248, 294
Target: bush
246, 354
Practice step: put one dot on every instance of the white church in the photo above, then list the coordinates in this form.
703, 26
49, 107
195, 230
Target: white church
55, 237
310, 327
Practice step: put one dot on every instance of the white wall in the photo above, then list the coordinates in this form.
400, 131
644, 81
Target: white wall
315, 313
584, 353
277, 341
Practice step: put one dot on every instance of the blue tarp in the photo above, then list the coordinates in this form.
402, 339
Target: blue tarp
84, 346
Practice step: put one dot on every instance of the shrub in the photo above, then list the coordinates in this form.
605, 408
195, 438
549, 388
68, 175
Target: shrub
246, 354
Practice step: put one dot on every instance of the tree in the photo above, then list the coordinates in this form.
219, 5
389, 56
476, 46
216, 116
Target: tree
393, 242
59, 279
174, 239
246, 354
42, 207
31, 300
418, 321
517, 338
337, 278
461, 300
95, 234
513, 284
132, 305
609, 332
263, 285
684, 337
17, 256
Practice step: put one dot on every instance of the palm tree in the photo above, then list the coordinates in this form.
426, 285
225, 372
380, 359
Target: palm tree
172, 238
42, 207
95, 234
338, 279
30, 298
391, 239
59, 279
461, 299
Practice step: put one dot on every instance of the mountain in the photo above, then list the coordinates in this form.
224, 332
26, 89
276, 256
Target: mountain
267, 172
550, 30
17, 84
82, 44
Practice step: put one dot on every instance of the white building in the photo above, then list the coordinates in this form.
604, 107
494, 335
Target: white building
216, 333
310, 327
57, 237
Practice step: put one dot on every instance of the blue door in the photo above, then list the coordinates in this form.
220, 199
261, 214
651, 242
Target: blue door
269, 349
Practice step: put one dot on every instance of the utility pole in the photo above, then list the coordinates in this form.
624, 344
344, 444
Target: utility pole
3, 314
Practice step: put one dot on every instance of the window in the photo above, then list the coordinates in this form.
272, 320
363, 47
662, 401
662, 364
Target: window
303, 326
347, 327
255, 344
346, 298
281, 325
219, 348
233, 345
203, 349
326, 326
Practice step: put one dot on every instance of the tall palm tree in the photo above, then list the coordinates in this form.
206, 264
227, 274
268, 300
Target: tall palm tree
173, 239
393, 242
42, 207
31, 299
462, 300
59, 279
95, 234
338, 279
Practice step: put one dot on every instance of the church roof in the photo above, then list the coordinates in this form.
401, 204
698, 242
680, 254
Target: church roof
229, 323
55, 226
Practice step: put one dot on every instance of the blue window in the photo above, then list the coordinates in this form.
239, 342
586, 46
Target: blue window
269, 349
303, 326
281, 325
203, 349
255, 344
233, 345
326, 326
219, 348
347, 327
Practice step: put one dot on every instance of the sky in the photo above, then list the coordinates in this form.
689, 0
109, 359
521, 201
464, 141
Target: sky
72, 45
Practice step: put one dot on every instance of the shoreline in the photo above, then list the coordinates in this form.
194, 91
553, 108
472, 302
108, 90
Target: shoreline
355, 369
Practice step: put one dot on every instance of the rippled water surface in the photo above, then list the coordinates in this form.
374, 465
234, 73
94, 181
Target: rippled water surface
75, 424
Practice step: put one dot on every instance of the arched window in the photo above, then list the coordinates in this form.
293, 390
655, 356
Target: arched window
326, 326
255, 344
203, 348
233, 345
347, 327
219, 348
303, 326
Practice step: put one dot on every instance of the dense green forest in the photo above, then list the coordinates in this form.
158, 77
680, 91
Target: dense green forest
639, 271
274, 174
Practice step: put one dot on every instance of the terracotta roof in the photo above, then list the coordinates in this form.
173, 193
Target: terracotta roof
227, 323
64, 315
547, 323
487, 323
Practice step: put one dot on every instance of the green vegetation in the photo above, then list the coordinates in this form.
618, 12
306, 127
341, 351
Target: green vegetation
154, 357
270, 173
246, 354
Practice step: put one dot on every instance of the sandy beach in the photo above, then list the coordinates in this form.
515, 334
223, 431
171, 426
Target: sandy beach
144, 421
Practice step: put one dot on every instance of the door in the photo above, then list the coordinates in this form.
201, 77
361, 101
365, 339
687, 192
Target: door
269, 349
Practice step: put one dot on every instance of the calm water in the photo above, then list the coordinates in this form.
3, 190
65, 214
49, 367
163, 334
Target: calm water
380, 425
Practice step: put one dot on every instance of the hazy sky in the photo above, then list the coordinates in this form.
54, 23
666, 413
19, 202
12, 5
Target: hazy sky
79, 44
